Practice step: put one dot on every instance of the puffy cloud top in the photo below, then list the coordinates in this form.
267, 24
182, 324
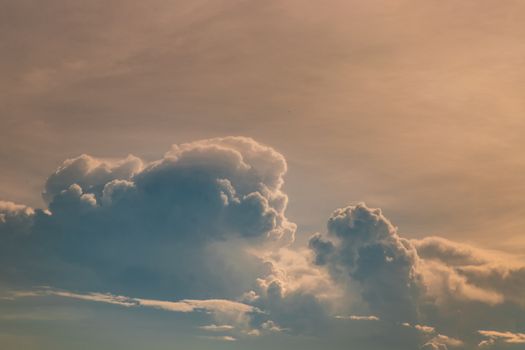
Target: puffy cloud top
15, 218
130, 225
205, 225
364, 246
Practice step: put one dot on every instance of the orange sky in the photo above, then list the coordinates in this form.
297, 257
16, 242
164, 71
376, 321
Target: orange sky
412, 106
247, 174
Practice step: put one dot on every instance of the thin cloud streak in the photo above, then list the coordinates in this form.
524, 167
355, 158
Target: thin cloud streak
183, 306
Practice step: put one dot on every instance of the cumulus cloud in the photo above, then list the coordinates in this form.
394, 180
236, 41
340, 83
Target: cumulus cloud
205, 225
15, 218
358, 318
440, 341
431, 339
364, 246
147, 227
425, 329
90, 173
413, 281
438, 248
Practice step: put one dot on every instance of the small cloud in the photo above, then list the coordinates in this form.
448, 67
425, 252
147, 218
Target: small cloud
425, 329
495, 337
217, 328
271, 326
443, 340
358, 318
249, 297
434, 340
253, 332
222, 309
222, 338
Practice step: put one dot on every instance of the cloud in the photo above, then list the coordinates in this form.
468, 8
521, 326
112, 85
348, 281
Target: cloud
462, 271
417, 281
447, 285
446, 340
205, 225
90, 173
271, 326
149, 228
433, 346
184, 306
425, 329
217, 328
222, 337
235, 313
432, 339
440, 341
497, 337
358, 318
15, 218
364, 246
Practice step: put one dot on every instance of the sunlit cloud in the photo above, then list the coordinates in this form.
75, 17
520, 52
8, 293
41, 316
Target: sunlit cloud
497, 337
209, 219
358, 318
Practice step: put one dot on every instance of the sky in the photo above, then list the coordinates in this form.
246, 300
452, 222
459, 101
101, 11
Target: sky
250, 174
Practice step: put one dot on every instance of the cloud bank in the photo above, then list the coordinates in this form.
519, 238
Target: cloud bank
205, 225
141, 228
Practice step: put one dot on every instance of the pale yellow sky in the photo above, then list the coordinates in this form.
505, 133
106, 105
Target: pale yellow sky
413, 106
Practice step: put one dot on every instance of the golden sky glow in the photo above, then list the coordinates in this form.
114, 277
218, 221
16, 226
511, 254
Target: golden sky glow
415, 107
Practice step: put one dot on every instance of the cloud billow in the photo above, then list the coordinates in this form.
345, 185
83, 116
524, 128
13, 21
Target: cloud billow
204, 228
139, 227
362, 245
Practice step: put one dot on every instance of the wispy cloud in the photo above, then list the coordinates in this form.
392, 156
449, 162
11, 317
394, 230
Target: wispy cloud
425, 329
187, 305
217, 328
495, 337
221, 337
434, 340
358, 318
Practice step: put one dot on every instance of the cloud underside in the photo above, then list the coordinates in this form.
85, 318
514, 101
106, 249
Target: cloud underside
206, 225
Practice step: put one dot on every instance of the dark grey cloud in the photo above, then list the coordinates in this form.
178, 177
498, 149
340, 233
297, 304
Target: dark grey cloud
362, 245
153, 228
453, 288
